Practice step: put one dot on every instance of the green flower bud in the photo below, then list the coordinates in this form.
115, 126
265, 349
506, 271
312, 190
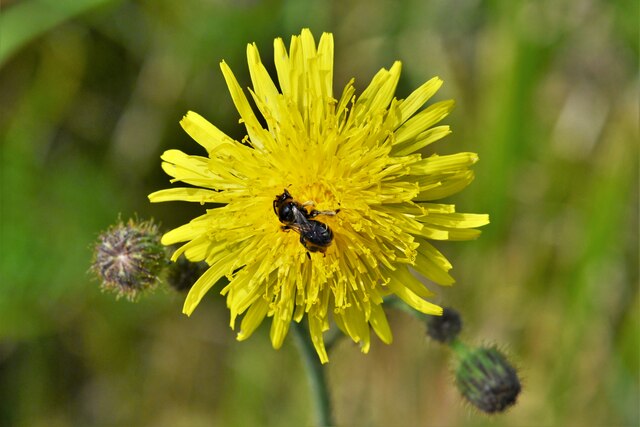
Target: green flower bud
183, 273
129, 258
487, 379
444, 328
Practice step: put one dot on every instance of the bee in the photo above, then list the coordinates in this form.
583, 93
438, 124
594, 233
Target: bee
315, 236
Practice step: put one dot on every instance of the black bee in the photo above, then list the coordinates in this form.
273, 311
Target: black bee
315, 236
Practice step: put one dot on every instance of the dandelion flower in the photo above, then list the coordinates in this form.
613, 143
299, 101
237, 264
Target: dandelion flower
359, 156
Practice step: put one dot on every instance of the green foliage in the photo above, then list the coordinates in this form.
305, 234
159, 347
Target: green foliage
23, 22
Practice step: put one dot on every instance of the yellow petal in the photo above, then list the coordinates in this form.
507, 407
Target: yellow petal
413, 300
315, 330
423, 121
447, 185
253, 318
283, 314
432, 264
325, 64
403, 275
418, 98
378, 321
420, 141
456, 220
380, 91
256, 133
189, 194
218, 269
203, 132
440, 164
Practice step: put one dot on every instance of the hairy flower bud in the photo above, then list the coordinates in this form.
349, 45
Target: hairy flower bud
129, 258
444, 328
487, 380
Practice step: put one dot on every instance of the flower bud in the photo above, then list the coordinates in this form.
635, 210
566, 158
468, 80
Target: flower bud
183, 273
129, 258
444, 328
487, 380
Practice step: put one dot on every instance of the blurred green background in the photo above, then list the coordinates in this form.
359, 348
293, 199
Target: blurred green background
91, 93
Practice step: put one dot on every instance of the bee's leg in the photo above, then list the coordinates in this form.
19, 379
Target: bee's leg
285, 228
314, 213
309, 255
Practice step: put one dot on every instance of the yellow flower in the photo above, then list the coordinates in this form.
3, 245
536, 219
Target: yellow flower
359, 155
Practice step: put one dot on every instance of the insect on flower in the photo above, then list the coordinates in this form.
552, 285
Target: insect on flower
315, 236
363, 153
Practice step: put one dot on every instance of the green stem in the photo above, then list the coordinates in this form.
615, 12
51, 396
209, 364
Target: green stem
459, 348
315, 374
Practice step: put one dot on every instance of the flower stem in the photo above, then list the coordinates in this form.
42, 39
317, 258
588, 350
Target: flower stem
315, 374
459, 348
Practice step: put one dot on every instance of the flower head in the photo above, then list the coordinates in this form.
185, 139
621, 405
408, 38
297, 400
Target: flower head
352, 168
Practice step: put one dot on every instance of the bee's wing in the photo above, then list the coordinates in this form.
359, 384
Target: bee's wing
301, 224
299, 228
300, 218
